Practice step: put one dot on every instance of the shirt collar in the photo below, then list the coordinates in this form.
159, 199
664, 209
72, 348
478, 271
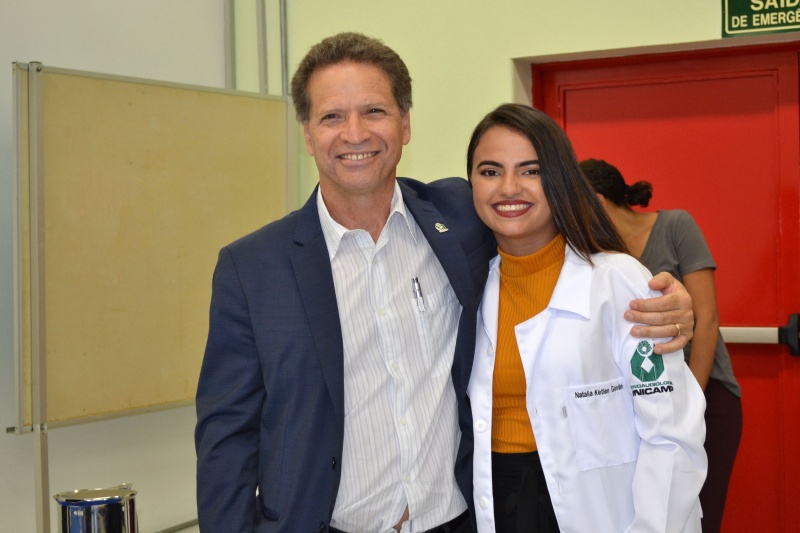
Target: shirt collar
334, 232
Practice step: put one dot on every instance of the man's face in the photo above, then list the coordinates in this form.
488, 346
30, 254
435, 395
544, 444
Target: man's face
355, 130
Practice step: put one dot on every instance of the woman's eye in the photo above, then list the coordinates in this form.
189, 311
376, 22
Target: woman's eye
489, 172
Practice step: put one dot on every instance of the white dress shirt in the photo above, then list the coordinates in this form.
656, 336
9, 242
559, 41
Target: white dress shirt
401, 429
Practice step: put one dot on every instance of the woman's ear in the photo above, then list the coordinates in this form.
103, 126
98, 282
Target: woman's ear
602, 200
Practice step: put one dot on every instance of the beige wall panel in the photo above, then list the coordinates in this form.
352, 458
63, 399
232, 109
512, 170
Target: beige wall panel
143, 184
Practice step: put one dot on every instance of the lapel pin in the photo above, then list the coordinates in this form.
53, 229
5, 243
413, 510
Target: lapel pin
441, 228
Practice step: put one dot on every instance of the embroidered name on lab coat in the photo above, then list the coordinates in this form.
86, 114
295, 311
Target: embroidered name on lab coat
590, 393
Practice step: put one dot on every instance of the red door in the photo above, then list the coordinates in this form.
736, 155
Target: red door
717, 133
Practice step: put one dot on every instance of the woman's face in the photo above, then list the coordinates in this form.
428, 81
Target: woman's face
507, 192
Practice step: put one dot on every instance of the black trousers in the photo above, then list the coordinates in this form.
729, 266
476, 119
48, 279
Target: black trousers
723, 433
521, 500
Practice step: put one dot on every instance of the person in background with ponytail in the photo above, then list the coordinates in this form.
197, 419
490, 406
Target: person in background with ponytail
671, 241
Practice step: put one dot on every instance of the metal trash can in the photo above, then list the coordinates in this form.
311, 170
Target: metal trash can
98, 510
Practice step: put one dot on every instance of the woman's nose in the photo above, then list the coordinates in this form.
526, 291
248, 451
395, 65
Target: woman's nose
509, 185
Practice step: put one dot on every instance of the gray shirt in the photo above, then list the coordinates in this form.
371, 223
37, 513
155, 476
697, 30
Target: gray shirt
676, 245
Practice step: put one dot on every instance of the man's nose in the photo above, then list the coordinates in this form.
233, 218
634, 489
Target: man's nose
355, 130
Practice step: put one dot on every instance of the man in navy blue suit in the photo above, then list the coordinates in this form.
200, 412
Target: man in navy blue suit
332, 395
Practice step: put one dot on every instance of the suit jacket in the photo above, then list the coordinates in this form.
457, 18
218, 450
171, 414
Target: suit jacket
270, 400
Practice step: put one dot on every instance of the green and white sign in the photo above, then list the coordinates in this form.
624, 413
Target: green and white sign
747, 17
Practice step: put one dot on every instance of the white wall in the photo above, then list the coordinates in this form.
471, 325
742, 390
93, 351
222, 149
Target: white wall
172, 40
460, 53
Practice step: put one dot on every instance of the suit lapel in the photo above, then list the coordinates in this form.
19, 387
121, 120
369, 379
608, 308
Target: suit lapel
445, 245
450, 252
312, 268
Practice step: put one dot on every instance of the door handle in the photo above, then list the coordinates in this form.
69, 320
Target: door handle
787, 335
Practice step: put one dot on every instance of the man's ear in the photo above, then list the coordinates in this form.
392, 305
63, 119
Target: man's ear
406, 127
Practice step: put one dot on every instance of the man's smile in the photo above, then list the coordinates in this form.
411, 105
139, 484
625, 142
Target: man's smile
358, 157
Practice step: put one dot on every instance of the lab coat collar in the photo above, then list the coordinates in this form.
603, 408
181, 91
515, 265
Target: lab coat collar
572, 292
573, 288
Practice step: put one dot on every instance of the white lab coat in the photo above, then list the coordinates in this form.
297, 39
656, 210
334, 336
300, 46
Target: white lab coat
614, 461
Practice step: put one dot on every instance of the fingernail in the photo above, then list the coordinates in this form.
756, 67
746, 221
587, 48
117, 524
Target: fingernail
636, 332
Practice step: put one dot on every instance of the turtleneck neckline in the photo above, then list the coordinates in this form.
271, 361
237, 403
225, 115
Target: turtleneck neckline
517, 266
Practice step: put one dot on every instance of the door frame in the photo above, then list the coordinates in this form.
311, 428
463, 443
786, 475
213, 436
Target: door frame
525, 68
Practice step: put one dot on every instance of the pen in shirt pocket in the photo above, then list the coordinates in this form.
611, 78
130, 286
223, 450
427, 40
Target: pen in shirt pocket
418, 294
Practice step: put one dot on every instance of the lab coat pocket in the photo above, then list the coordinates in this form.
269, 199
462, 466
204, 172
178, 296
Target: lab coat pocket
601, 421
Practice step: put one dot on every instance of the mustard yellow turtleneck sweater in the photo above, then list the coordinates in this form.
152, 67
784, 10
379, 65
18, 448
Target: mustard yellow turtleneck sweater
526, 285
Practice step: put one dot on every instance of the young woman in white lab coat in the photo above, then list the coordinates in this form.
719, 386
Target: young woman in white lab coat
578, 426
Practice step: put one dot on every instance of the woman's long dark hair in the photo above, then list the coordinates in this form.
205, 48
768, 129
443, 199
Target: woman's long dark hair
577, 212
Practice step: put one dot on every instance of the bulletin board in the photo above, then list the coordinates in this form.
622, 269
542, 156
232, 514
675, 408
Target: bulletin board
126, 191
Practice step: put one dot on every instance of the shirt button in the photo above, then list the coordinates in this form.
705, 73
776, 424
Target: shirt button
489, 351
382, 312
407, 478
480, 426
333, 463
484, 503
395, 365
403, 421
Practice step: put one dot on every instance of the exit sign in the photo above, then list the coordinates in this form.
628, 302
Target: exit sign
747, 17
